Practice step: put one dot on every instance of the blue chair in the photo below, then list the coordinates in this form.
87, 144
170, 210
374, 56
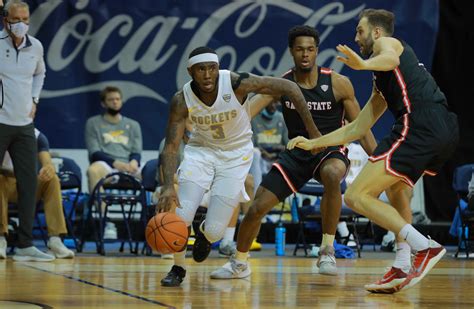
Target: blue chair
70, 177
314, 188
149, 175
462, 176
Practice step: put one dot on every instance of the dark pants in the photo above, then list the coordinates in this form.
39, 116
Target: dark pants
20, 141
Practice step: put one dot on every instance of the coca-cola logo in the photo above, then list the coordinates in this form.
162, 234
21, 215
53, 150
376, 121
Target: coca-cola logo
135, 54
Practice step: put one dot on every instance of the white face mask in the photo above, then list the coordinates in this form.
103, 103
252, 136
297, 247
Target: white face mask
19, 29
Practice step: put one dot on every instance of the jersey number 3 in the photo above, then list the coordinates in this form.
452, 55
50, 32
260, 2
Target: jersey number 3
218, 131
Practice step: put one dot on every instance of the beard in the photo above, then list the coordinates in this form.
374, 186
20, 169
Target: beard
367, 48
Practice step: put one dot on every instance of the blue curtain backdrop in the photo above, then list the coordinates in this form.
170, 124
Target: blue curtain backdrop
142, 47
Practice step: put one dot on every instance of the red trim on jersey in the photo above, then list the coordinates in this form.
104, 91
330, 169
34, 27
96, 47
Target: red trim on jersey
403, 87
287, 179
377, 158
389, 154
326, 71
287, 72
430, 173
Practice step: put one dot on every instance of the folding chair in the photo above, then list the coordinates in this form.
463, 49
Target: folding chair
70, 177
120, 189
314, 188
462, 176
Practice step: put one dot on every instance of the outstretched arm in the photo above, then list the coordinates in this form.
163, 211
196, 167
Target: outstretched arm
385, 57
169, 158
344, 92
276, 87
355, 130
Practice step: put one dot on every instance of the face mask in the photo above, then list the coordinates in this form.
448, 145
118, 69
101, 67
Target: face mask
267, 115
112, 112
19, 29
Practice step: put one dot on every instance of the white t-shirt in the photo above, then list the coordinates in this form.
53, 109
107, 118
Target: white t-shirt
358, 158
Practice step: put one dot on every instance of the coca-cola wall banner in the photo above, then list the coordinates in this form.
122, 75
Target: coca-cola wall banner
142, 46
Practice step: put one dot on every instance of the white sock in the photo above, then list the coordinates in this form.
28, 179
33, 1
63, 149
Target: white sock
228, 235
402, 257
414, 238
180, 258
342, 229
328, 240
241, 256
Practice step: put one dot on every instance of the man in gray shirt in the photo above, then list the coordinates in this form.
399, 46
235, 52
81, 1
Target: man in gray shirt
22, 72
114, 143
270, 136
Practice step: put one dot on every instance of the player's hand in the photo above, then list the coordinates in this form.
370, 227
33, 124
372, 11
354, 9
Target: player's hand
305, 144
352, 59
168, 200
297, 140
47, 172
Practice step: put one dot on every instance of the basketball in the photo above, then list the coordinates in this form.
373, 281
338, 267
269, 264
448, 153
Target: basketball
166, 233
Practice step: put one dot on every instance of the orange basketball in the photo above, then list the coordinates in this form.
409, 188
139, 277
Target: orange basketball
166, 233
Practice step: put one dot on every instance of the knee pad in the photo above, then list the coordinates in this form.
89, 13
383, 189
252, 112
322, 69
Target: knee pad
186, 212
214, 231
218, 216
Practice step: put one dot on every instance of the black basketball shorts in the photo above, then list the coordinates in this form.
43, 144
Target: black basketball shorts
296, 167
419, 143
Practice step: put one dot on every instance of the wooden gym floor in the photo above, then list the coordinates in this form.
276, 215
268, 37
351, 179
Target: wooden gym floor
125, 281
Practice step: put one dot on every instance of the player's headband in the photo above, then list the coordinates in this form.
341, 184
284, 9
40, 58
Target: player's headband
206, 57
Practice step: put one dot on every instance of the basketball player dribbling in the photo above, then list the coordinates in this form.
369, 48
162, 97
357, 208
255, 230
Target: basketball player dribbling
219, 152
330, 99
424, 136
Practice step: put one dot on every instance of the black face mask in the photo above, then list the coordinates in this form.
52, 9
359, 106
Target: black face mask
112, 112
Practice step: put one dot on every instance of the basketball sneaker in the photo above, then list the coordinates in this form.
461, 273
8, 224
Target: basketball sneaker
226, 249
174, 277
389, 282
110, 231
423, 262
327, 261
202, 246
232, 270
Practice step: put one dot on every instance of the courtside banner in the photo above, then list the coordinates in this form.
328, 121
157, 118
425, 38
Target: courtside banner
142, 46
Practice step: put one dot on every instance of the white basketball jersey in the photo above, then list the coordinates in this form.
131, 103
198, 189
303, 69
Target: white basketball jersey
225, 125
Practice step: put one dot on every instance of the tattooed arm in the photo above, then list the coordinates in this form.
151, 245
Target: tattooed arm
169, 158
245, 83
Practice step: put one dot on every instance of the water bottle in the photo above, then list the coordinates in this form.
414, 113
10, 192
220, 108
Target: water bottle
280, 235
294, 209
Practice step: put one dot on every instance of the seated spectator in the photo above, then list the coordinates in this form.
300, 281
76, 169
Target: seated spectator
48, 190
114, 143
270, 137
